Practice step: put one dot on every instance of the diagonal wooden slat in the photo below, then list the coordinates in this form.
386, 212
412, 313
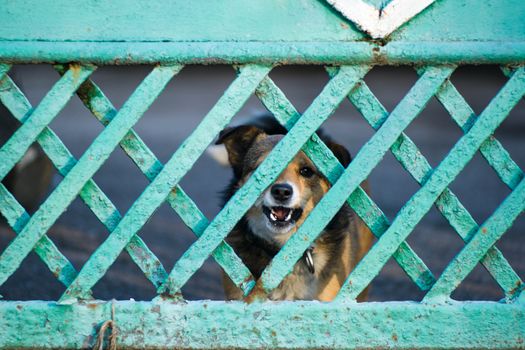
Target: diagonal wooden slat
320, 109
442, 176
508, 171
95, 100
87, 165
485, 238
17, 218
492, 150
157, 191
358, 170
4, 68
91, 194
276, 102
409, 156
15, 148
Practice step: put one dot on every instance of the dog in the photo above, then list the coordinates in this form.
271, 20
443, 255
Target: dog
281, 209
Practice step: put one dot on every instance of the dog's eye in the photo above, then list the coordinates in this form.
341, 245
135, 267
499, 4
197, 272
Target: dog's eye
306, 172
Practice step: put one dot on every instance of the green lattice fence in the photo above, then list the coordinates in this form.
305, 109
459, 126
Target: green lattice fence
168, 321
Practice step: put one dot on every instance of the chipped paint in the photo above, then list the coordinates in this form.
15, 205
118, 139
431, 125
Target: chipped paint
284, 325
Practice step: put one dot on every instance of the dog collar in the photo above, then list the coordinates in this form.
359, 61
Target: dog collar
309, 259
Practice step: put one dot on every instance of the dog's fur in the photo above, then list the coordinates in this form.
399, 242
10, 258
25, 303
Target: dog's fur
263, 231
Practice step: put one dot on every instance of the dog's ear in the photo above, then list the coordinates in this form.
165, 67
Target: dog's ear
238, 141
340, 152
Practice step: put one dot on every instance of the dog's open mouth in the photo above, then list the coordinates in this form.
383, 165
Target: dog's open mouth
282, 216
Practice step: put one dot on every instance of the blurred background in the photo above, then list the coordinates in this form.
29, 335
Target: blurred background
173, 116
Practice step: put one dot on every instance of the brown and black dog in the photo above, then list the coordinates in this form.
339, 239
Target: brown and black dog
281, 209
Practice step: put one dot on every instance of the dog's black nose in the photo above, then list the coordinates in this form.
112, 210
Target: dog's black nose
281, 192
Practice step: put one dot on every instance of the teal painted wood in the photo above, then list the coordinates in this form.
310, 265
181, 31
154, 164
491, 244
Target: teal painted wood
442, 176
269, 53
409, 156
17, 218
492, 150
169, 176
157, 21
88, 164
241, 21
466, 20
285, 325
320, 109
14, 149
263, 33
277, 103
356, 172
4, 68
507, 170
301, 32
305, 31
94, 99
91, 194
486, 236
14, 213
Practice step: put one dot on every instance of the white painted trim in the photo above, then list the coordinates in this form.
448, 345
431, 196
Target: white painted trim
379, 23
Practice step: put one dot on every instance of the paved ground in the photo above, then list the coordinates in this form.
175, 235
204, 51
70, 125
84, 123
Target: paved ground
187, 99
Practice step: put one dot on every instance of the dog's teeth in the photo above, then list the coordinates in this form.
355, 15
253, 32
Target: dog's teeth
273, 217
289, 216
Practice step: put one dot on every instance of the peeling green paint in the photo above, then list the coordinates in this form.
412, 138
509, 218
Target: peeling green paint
488, 233
283, 325
63, 160
88, 164
190, 214
158, 190
442, 176
13, 150
338, 53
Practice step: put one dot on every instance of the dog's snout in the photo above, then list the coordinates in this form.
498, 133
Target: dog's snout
282, 192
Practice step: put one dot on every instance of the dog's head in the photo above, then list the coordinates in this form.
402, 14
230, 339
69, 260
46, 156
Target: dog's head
283, 206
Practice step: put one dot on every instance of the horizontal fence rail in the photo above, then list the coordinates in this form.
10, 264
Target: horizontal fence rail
336, 53
195, 325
